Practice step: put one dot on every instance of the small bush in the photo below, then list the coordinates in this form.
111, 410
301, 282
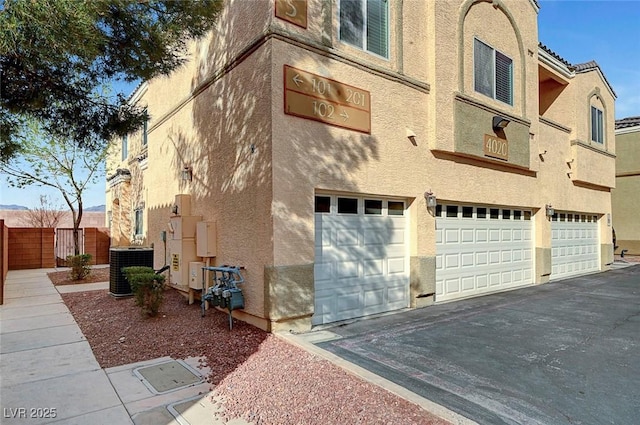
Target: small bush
147, 286
80, 267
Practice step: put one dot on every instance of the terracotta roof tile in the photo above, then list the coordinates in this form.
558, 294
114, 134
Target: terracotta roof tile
627, 122
555, 55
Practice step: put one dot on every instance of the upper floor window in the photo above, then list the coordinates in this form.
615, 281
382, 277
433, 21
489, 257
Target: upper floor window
493, 73
597, 125
125, 147
364, 24
138, 221
145, 128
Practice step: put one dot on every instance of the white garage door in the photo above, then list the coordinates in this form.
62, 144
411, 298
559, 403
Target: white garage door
481, 250
361, 257
574, 245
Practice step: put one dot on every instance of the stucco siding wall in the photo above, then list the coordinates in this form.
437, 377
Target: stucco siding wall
626, 196
628, 153
555, 185
223, 134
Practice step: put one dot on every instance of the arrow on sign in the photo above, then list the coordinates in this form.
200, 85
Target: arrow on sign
344, 115
296, 79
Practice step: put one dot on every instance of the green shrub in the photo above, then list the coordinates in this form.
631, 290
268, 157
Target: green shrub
80, 267
147, 286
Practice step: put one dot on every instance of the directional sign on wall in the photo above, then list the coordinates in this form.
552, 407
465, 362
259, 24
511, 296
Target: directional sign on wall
321, 99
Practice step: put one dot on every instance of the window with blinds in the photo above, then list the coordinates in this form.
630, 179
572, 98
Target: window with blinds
597, 125
493, 73
364, 24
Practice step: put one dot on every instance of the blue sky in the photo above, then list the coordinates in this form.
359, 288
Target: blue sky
607, 31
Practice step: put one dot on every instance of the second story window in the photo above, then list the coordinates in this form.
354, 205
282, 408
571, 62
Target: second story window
138, 221
145, 128
364, 24
125, 147
492, 72
597, 125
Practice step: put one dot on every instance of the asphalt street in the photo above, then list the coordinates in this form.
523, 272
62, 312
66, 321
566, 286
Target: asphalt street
566, 352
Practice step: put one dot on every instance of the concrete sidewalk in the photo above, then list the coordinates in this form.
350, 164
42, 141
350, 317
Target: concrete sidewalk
48, 371
49, 375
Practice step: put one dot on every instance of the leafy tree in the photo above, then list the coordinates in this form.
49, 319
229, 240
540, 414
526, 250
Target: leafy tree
58, 163
55, 56
47, 214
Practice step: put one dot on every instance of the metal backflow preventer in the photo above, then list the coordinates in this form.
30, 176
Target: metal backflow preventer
224, 293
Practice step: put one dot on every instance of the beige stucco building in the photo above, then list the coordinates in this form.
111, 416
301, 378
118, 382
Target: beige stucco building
625, 198
365, 157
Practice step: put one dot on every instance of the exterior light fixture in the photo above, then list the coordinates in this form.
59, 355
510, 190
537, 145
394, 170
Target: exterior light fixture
549, 211
186, 174
500, 122
432, 202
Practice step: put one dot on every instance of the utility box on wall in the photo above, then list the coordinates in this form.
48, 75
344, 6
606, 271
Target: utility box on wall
182, 252
206, 239
195, 274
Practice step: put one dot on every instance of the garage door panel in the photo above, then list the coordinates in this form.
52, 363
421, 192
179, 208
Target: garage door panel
575, 247
466, 236
494, 257
396, 297
397, 266
451, 236
467, 259
505, 256
373, 268
468, 283
482, 258
482, 281
323, 271
361, 263
347, 269
347, 303
374, 298
347, 237
492, 254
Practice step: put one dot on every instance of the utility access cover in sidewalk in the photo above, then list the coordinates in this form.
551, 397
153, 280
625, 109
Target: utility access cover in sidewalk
168, 376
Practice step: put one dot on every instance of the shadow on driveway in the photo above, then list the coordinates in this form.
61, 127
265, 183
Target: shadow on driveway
566, 352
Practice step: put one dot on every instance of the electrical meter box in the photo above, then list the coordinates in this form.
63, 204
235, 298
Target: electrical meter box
195, 274
206, 239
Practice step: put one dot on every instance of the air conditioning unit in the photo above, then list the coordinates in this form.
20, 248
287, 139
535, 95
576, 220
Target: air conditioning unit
120, 257
195, 274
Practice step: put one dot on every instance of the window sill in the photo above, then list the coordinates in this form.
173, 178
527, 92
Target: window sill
596, 147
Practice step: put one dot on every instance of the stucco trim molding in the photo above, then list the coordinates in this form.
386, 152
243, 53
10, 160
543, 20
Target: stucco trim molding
484, 162
593, 148
471, 101
120, 176
554, 124
629, 174
634, 129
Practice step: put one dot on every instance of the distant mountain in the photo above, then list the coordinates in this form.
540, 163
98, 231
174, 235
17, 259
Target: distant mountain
98, 208
12, 207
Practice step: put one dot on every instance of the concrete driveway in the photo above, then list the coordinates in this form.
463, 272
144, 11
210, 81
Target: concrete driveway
561, 353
